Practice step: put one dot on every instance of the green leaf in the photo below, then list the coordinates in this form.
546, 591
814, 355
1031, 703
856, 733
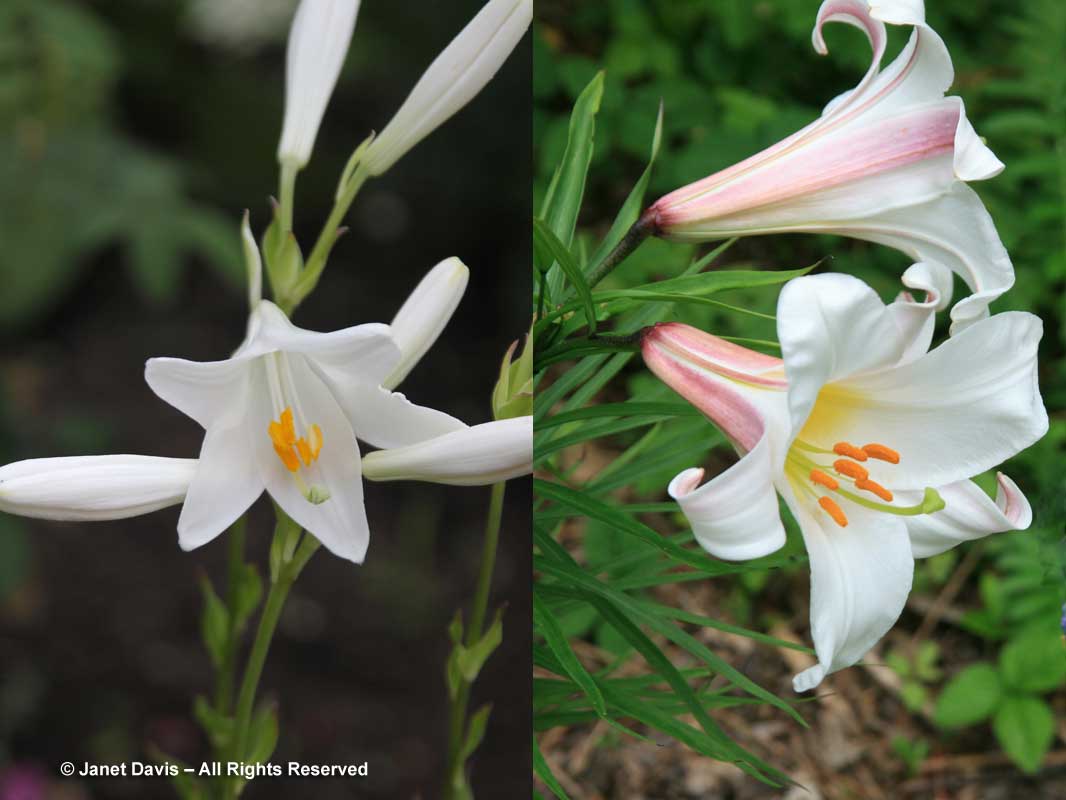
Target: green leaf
543, 771
548, 627
472, 659
214, 624
247, 594
970, 697
1024, 726
475, 732
546, 239
263, 734
1034, 661
218, 727
563, 199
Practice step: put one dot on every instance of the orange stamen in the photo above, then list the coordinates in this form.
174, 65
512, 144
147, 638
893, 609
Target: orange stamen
876, 488
829, 482
833, 510
851, 469
879, 451
316, 441
305, 451
849, 450
288, 457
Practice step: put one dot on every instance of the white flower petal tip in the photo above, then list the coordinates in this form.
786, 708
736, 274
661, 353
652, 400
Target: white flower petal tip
318, 44
425, 314
969, 514
253, 263
886, 162
734, 516
483, 454
452, 80
92, 488
808, 679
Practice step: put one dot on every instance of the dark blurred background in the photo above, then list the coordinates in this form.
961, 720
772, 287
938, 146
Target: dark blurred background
133, 133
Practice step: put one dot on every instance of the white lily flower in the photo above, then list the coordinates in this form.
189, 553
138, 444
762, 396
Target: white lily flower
886, 162
318, 44
486, 453
283, 414
90, 488
452, 80
869, 438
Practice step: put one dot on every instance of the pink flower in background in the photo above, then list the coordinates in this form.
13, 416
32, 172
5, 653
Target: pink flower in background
886, 162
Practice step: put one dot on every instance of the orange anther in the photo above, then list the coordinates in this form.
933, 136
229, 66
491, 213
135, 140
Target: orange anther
876, 488
305, 451
316, 441
851, 469
849, 450
828, 481
288, 457
879, 451
833, 510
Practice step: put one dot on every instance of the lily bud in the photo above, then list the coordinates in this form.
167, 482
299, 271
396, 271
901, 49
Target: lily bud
453, 79
484, 454
253, 263
513, 394
92, 488
424, 315
318, 43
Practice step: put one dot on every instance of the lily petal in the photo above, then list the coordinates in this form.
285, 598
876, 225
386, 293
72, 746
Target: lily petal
339, 522
453, 79
318, 44
90, 488
424, 315
483, 454
860, 578
203, 390
969, 514
992, 411
831, 326
735, 515
388, 419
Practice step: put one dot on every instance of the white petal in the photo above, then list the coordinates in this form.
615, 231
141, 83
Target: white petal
318, 44
423, 316
968, 514
453, 79
835, 326
90, 488
388, 419
860, 578
483, 454
253, 263
340, 522
366, 351
734, 515
227, 481
205, 391
961, 409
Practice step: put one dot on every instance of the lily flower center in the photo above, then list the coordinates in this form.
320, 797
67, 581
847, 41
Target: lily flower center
831, 475
297, 453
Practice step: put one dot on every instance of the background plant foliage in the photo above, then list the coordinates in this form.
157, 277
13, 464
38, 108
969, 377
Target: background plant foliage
604, 538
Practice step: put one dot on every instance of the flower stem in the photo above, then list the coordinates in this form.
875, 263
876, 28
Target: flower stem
287, 190
268, 623
641, 230
457, 718
226, 672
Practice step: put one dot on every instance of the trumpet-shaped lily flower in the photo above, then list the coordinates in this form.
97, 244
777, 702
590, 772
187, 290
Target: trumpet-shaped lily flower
868, 436
318, 44
886, 162
452, 80
93, 487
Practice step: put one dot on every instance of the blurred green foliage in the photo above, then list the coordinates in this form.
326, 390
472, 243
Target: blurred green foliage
734, 76
72, 182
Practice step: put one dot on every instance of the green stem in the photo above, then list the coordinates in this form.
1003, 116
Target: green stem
268, 623
641, 230
226, 673
316, 262
457, 717
287, 190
